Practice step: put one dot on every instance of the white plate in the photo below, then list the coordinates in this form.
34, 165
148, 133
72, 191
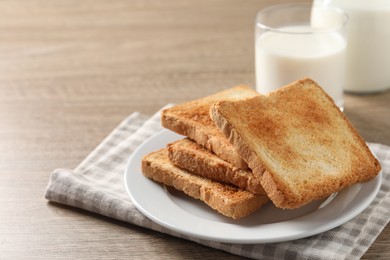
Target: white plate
179, 212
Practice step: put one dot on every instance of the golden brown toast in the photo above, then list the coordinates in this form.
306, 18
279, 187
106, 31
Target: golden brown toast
190, 156
192, 119
227, 200
298, 141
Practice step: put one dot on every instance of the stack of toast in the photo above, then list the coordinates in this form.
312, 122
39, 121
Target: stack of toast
243, 149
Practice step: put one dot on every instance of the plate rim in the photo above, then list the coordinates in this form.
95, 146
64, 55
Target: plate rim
161, 218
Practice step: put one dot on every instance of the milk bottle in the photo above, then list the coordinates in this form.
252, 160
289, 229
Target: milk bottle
368, 50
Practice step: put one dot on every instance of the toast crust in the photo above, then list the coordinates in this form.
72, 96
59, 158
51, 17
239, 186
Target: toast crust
190, 156
192, 119
298, 141
227, 200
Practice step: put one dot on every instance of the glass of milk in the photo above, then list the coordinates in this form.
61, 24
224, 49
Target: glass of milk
291, 43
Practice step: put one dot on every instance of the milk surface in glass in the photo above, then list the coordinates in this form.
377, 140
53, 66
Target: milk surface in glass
288, 54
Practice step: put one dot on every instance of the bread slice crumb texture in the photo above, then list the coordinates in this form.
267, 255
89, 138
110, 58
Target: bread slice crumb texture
190, 156
192, 119
306, 145
227, 200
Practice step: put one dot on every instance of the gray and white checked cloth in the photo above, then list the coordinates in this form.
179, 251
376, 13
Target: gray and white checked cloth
97, 185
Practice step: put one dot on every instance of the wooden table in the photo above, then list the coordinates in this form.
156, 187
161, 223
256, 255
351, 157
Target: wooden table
70, 71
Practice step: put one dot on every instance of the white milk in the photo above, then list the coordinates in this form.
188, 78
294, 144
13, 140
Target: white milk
368, 51
282, 58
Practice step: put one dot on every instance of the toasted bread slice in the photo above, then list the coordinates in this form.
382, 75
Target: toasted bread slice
298, 141
228, 200
190, 156
192, 119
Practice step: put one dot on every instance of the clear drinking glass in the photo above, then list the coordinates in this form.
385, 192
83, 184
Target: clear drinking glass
293, 41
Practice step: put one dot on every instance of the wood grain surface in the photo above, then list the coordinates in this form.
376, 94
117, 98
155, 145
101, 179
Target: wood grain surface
70, 71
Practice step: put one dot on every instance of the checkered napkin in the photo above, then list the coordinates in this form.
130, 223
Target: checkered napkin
97, 185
